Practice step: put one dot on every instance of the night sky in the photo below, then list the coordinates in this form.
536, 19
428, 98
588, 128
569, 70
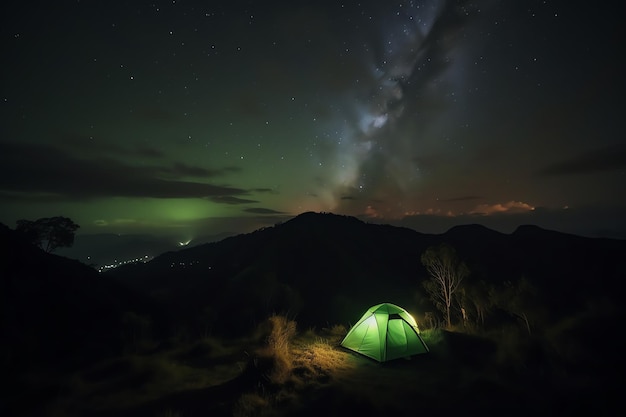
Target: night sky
199, 117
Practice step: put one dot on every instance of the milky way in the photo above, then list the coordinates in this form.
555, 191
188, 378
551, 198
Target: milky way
411, 63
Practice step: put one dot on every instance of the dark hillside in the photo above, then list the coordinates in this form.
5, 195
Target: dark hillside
572, 270
569, 269
313, 260
323, 268
56, 310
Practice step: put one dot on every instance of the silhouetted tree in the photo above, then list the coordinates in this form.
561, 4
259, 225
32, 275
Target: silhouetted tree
518, 299
446, 274
463, 304
475, 298
49, 233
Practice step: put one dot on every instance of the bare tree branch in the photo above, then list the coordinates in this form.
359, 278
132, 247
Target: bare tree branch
446, 274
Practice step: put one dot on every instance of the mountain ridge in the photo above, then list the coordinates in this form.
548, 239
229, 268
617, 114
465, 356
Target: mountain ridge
349, 264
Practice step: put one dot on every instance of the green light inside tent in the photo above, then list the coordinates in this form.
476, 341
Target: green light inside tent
385, 332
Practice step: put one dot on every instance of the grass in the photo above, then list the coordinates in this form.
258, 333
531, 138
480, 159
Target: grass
131, 380
280, 371
250, 404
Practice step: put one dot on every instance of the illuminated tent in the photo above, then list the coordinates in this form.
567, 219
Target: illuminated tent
385, 332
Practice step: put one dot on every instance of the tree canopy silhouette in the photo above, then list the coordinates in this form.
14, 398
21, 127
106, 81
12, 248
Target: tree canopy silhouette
49, 233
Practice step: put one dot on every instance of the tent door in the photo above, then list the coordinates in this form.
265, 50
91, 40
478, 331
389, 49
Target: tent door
397, 343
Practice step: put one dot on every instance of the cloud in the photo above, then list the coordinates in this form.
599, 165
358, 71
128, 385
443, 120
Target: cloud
98, 146
371, 212
30, 198
179, 169
509, 207
31, 170
147, 152
430, 212
610, 158
229, 199
260, 210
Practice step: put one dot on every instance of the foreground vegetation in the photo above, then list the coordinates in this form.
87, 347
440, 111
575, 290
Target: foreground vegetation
280, 370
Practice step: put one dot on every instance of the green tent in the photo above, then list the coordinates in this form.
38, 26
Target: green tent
385, 332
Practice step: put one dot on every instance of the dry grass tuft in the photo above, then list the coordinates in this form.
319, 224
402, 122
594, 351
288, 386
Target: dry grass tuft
278, 348
323, 357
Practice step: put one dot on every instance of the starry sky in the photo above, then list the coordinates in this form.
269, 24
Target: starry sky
198, 117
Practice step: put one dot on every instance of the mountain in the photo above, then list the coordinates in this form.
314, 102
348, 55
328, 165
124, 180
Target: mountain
57, 310
324, 268
153, 338
319, 268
